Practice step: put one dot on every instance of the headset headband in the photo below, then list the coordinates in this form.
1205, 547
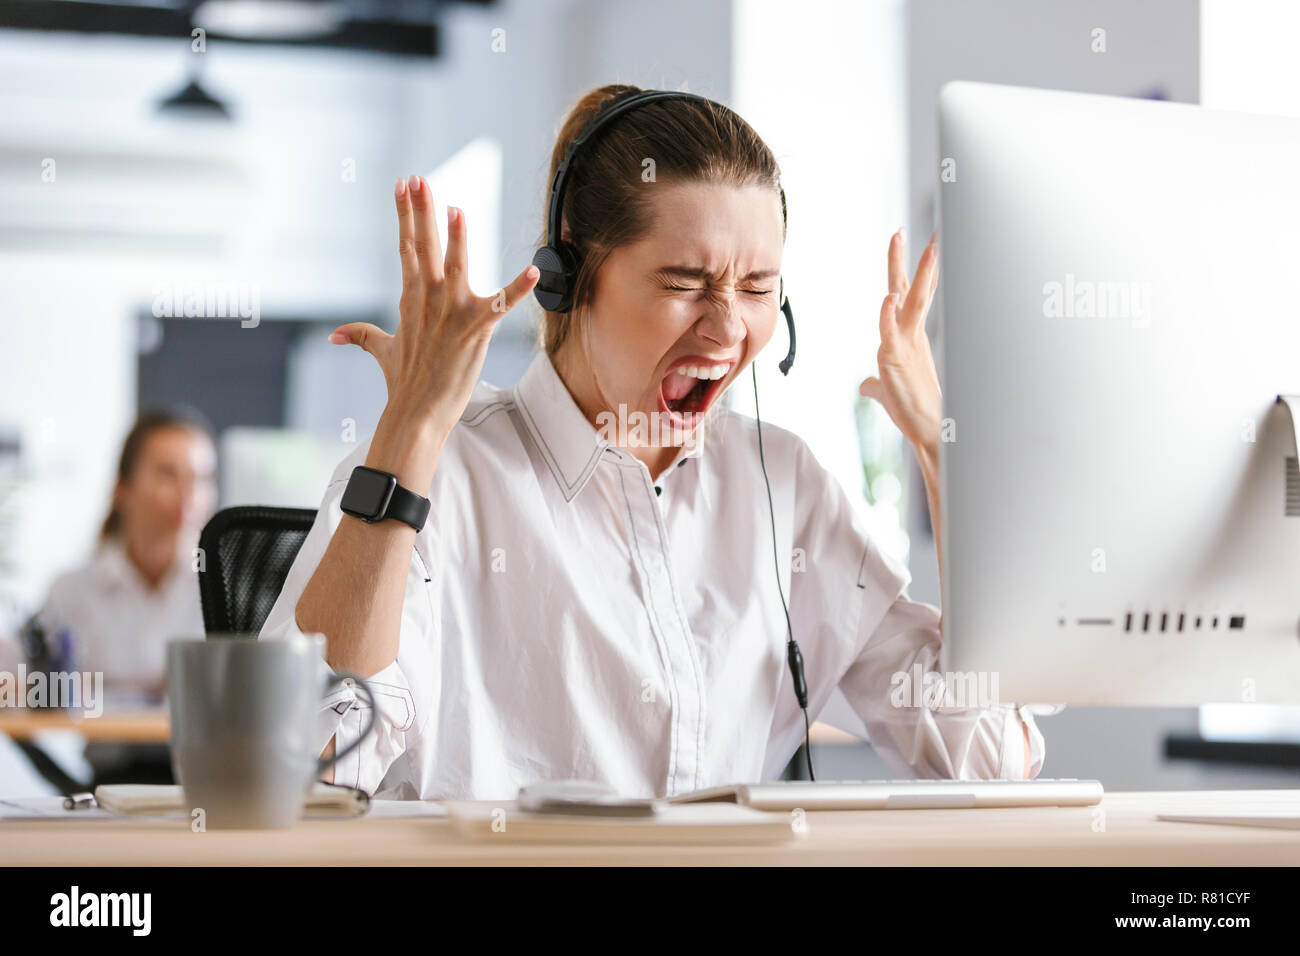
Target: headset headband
611, 110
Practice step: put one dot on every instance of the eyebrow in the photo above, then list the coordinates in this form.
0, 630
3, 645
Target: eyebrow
698, 272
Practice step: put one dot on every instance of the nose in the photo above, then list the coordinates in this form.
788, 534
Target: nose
721, 325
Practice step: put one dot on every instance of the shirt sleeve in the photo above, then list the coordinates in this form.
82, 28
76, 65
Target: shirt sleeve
344, 711
895, 686
889, 648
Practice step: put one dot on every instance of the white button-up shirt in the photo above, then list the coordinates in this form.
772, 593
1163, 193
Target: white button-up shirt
119, 625
564, 619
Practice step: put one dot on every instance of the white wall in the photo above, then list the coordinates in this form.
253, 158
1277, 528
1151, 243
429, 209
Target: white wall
1248, 59
824, 83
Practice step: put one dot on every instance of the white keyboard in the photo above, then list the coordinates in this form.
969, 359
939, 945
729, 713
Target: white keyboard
903, 794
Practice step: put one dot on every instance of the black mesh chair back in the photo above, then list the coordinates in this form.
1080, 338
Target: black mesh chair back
247, 553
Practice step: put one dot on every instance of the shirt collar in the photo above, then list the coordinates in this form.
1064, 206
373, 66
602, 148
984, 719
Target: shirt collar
120, 572
115, 565
569, 443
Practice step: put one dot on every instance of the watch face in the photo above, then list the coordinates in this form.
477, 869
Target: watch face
367, 493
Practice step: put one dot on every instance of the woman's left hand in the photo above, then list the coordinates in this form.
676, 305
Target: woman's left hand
908, 383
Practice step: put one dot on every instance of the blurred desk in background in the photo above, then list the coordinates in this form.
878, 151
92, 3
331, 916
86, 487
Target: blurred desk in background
121, 747
143, 727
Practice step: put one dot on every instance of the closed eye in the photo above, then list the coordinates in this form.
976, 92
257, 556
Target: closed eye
684, 288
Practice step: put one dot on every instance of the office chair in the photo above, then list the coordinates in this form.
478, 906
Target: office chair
247, 553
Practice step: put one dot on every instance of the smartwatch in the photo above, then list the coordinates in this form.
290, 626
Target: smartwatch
374, 495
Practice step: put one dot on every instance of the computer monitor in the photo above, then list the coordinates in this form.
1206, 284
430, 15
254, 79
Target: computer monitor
1121, 500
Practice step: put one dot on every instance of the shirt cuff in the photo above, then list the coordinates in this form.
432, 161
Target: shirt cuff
344, 714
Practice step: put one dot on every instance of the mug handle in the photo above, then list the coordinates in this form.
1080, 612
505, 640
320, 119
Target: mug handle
339, 678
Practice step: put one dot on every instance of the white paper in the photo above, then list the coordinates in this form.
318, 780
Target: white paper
50, 808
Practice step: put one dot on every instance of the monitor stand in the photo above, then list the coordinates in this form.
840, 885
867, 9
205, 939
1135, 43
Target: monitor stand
1274, 819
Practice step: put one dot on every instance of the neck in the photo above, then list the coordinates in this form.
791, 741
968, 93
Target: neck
575, 372
152, 556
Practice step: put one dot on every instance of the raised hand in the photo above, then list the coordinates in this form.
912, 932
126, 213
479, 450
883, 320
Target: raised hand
908, 383
356, 594
434, 360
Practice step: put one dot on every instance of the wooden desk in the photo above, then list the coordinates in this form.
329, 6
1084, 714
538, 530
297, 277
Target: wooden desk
1043, 836
145, 727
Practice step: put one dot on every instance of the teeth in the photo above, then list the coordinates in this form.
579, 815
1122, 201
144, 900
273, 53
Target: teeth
705, 372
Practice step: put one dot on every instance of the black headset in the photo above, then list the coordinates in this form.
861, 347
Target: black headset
558, 262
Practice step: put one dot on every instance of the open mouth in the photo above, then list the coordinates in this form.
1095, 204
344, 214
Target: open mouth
690, 387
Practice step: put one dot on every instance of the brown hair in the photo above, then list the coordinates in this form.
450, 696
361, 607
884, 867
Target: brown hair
605, 202
149, 422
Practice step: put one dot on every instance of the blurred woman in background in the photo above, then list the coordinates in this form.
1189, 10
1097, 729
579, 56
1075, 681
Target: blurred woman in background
139, 589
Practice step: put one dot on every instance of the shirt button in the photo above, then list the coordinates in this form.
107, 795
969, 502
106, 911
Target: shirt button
658, 490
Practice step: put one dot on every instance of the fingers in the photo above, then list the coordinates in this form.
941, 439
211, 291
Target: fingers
870, 388
923, 285
364, 335
889, 316
898, 264
509, 297
406, 235
428, 250
456, 263
934, 282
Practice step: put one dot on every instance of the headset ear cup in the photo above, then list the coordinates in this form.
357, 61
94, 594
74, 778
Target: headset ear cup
558, 266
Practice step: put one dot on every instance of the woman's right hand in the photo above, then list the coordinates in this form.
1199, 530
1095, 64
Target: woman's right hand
434, 361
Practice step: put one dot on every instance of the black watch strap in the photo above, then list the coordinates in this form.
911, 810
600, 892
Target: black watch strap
374, 495
407, 506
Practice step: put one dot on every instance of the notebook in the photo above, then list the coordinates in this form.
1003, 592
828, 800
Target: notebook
135, 799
